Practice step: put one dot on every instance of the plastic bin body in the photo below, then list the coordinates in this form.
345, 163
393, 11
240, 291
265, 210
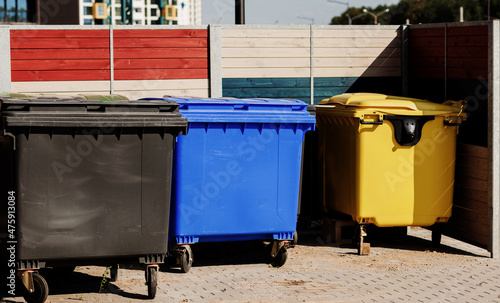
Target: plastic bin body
368, 174
237, 171
92, 178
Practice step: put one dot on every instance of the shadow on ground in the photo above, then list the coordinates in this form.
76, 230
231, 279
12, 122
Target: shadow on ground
382, 237
224, 253
77, 283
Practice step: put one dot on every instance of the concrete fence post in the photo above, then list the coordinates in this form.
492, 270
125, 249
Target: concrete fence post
5, 67
215, 64
494, 138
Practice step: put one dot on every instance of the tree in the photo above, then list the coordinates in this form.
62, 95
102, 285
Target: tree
494, 9
359, 17
425, 11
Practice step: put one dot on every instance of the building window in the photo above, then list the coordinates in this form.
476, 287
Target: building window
87, 21
87, 1
171, 12
13, 13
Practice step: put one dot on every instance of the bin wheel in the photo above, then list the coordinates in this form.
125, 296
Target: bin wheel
114, 273
361, 240
437, 231
280, 258
151, 281
295, 239
186, 259
363, 248
41, 290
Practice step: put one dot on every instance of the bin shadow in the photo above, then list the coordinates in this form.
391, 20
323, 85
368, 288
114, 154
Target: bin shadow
383, 238
224, 253
80, 283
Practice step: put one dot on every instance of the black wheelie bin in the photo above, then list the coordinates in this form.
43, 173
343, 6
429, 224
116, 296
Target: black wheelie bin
91, 181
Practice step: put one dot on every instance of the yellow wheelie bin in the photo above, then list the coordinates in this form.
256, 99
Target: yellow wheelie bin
386, 160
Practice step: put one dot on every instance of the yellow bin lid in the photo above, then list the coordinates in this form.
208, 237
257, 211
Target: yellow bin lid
389, 105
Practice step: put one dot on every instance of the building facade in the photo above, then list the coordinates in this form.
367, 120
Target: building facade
141, 12
98, 12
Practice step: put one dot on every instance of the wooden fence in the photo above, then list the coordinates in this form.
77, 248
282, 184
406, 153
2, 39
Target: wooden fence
436, 62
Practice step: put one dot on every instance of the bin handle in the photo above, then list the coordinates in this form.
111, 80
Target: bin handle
451, 123
362, 121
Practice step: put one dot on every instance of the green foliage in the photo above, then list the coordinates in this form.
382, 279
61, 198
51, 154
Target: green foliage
104, 279
422, 11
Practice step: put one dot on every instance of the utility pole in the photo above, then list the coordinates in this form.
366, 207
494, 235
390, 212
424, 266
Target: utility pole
354, 18
38, 16
240, 11
489, 2
347, 10
375, 16
339, 2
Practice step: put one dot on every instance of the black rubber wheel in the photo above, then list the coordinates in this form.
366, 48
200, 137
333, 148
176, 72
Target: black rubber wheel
41, 290
436, 236
186, 260
114, 273
295, 239
152, 281
280, 258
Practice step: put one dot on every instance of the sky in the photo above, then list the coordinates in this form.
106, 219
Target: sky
284, 12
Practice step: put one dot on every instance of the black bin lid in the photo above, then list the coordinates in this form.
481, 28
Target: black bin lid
55, 112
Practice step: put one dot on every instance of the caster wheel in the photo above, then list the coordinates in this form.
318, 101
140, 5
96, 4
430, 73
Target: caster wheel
363, 248
114, 273
152, 281
280, 258
295, 239
41, 290
436, 236
186, 259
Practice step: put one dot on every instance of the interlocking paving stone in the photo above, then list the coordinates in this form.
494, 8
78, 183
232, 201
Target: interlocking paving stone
410, 270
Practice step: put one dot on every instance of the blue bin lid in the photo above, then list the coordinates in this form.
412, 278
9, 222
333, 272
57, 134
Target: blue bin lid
255, 110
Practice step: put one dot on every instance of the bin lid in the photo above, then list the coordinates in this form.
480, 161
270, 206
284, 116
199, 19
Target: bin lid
58, 112
94, 97
390, 105
258, 110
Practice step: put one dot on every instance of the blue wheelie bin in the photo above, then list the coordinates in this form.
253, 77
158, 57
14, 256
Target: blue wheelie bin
236, 174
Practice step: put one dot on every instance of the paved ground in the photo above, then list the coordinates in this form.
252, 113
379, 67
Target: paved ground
397, 270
